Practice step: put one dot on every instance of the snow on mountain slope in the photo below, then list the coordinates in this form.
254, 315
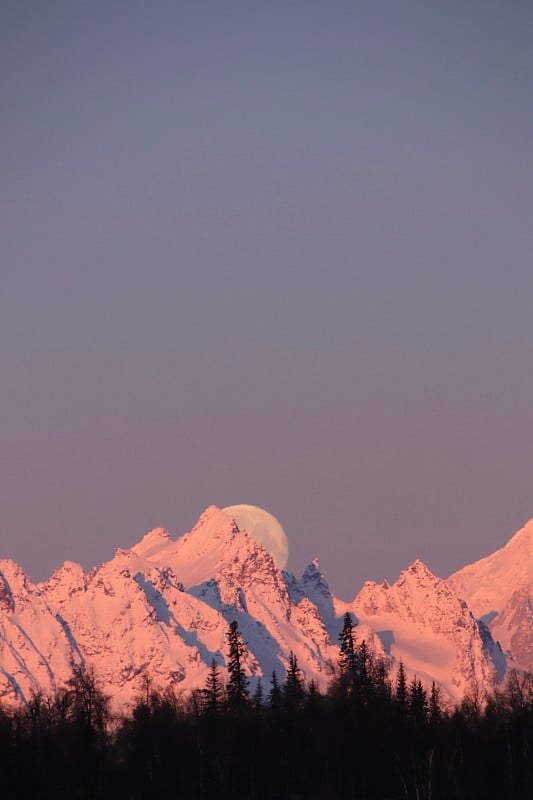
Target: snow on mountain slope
424, 624
125, 623
160, 611
499, 589
35, 650
223, 567
487, 585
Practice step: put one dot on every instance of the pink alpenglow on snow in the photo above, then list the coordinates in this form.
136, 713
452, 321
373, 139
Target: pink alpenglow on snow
162, 608
499, 589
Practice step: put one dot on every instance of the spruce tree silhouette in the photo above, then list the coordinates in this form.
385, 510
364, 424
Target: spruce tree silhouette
237, 688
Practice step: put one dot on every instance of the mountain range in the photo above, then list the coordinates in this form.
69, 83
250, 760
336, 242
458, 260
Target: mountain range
160, 611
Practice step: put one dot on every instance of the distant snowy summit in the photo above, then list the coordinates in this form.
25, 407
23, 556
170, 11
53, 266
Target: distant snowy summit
499, 590
161, 611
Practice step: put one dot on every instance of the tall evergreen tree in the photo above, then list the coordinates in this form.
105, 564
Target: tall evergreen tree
274, 695
401, 686
237, 688
348, 660
381, 678
417, 699
363, 663
294, 684
214, 690
434, 711
258, 698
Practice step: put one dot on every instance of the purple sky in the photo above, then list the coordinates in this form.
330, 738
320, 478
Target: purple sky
271, 253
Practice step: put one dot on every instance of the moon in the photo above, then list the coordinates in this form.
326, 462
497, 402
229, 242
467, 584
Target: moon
264, 528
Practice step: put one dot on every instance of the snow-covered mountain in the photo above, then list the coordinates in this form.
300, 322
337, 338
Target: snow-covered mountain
499, 590
35, 649
161, 611
424, 624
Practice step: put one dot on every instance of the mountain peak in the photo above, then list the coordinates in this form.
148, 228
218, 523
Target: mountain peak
522, 539
312, 570
164, 606
151, 540
418, 572
13, 578
488, 584
312, 575
213, 524
419, 566
212, 513
420, 615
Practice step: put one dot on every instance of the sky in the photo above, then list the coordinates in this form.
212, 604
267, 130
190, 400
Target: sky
270, 253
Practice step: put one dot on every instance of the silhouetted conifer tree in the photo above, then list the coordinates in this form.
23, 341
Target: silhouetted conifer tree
364, 663
401, 686
381, 678
213, 691
237, 688
274, 695
417, 699
348, 659
293, 691
434, 709
258, 699
324, 748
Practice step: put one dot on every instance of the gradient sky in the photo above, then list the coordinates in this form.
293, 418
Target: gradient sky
272, 253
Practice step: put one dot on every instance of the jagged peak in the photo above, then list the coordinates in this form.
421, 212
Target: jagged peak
420, 570
312, 569
68, 577
413, 588
15, 586
372, 586
153, 538
418, 577
210, 513
313, 574
9, 566
217, 522
13, 572
370, 596
68, 572
69, 567
418, 566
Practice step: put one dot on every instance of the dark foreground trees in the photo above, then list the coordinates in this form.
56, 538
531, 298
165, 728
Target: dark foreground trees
57, 746
393, 740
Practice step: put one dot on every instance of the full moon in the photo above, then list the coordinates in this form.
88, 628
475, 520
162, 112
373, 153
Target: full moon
264, 528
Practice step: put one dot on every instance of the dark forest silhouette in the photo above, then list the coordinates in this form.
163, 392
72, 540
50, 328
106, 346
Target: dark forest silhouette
367, 737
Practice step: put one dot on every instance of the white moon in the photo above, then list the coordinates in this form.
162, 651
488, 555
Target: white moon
264, 528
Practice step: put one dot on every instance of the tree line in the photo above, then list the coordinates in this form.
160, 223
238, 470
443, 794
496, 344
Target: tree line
370, 736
